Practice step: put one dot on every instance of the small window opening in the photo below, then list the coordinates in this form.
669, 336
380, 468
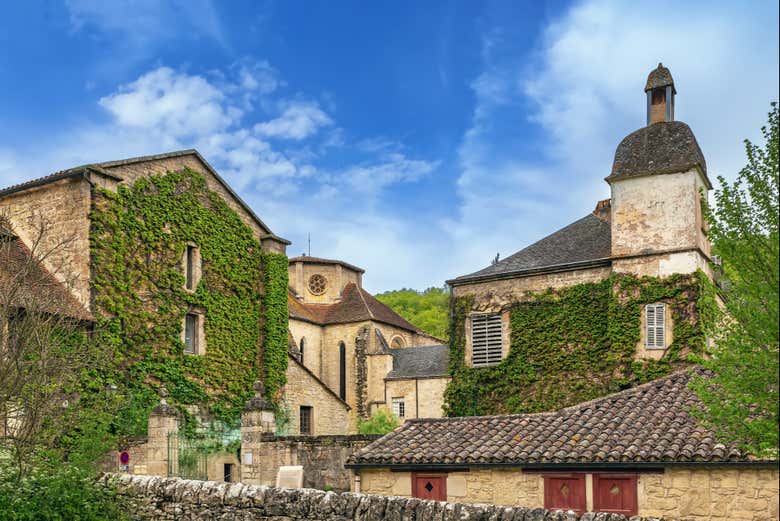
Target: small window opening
342, 371
655, 317
228, 473
301, 348
486, 340
659, 97
399, 408
189, 267
304, 423
191, 333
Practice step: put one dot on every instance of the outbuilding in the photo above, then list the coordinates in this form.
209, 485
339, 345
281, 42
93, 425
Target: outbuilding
635, 452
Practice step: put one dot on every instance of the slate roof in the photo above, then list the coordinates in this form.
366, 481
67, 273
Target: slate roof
659, 77
587, 240
320, 260
648, 424
40, 288
660, 148
420, 362
356, 305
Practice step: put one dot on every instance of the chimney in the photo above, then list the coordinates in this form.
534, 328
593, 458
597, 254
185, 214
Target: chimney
660, 95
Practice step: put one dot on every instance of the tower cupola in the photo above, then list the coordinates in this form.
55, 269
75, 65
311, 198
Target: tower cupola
660, 95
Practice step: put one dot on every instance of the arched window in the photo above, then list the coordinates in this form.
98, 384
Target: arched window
397, 342
301, 348
342, 371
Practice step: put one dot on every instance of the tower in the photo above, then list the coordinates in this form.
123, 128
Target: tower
658, 177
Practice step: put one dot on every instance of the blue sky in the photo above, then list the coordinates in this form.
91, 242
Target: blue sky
414, 139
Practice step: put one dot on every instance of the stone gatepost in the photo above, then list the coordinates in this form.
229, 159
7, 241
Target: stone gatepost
257, 418
163, 420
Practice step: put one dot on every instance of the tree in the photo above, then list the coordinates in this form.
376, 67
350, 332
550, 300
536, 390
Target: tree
49, 367
741, 398
381, 422
427, 309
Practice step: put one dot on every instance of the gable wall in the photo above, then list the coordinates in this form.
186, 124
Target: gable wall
64, 205
337, 277
133, 171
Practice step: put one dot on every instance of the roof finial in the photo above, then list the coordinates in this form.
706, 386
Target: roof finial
660, 95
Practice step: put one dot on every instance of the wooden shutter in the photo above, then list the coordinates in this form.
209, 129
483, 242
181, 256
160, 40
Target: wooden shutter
615, 493
565, 492
429, 486
486, 339
655, 331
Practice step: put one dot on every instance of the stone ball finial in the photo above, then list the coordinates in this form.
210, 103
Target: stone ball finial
259, 388
162, 408
258, 403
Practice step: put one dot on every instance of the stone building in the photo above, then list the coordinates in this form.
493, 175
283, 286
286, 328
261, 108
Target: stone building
370, 356
635, 452
585, 336
172, 276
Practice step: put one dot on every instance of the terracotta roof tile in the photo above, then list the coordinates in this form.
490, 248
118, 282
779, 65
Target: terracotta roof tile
648, 423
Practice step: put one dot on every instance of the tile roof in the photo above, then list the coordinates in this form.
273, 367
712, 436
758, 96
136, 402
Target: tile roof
420, 362
586, 240
356, 305
660, 148
649, 423
319, 260
40, 289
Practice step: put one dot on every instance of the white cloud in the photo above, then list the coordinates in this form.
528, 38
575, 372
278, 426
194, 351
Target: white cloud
298, 120
172, 103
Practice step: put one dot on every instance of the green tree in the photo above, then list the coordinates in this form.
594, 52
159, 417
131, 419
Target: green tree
427, 309
381, 422
741, 399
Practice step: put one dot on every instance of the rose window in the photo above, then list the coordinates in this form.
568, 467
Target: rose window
317, 284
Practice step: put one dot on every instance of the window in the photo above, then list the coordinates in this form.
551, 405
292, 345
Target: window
191, 333
317, 284
397, 342
486, 341
655, 326
304, 423
191, 263
399, 409
302, 346
342, 371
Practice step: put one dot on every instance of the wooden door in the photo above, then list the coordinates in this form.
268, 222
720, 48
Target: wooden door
429, 486
615, 493
565, 492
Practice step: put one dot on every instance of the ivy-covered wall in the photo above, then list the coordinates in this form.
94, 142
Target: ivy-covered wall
138, 239
576, 344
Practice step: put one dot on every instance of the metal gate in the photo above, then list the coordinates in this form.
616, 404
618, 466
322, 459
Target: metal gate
186, 458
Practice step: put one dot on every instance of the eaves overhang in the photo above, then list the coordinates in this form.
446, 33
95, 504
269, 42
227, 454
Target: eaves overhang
556, 268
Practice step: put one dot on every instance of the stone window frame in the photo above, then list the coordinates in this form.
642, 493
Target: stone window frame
400, 410
200, 338
310, 419
194, 274
643, 352
317, 284
505, 337
397, 339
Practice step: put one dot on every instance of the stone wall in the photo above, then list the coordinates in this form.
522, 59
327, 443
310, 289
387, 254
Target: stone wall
163, 499
63, 206
322, 458
718, 494
329, 414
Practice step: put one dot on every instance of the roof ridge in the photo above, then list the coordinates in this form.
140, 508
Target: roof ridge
363, 299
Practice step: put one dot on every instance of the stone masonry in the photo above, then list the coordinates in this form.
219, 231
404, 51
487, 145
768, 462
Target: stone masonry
163, 499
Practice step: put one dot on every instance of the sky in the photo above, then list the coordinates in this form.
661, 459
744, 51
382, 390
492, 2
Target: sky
414, 139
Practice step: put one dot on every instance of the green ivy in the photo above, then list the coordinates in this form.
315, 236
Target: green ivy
138, 239
577, 343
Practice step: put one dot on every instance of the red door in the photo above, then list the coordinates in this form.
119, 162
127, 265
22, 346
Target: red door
565, 492
429, 486
615, 493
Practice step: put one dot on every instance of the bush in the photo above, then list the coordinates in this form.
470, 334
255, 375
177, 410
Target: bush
381, 422
57, 492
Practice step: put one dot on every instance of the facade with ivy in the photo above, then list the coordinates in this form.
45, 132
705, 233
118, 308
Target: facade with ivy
188, 288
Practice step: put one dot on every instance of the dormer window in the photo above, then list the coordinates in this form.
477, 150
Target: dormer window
655, 326
191, 265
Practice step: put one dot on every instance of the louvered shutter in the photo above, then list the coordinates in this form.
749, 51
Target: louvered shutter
486, 339
656, 326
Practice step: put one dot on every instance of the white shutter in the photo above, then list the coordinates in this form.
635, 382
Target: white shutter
655, 317
486, 339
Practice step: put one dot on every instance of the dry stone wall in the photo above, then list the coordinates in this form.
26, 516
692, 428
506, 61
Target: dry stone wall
169, 499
